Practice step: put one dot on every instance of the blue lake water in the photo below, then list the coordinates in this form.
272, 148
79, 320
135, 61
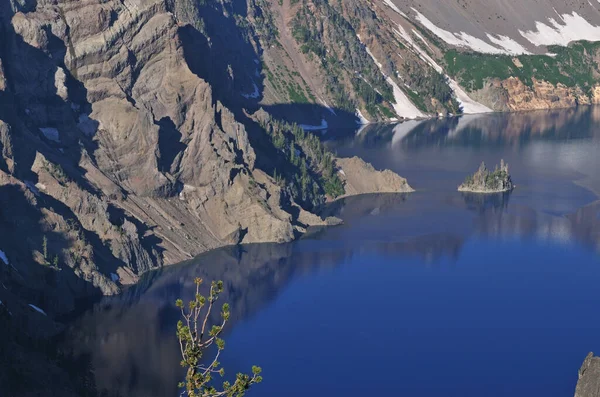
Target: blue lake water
434, 293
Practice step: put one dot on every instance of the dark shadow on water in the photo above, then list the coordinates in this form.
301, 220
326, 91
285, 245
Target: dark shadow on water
131, 338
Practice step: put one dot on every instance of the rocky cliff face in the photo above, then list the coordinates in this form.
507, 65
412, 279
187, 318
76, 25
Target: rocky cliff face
127, 144
589, 377
410, 59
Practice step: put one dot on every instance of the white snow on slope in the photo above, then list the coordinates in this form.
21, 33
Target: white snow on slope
403, 106
469, 106
307, 127
420, 38
505, 44
327, 107
37, 309
573, 27
393, 7
362, 120
509, 45
3, 257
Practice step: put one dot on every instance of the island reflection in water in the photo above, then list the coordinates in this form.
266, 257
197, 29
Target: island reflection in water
438, 273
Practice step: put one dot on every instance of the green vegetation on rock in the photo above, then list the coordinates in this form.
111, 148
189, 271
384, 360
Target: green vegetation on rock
311, 172
344, 60
573, 66
486, 181
429, 83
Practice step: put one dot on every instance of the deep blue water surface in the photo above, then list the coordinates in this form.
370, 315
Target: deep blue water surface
434, 293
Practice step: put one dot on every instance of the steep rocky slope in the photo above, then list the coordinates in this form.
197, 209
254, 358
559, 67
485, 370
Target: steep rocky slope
589, 377
384, 60
518, 56
127, 144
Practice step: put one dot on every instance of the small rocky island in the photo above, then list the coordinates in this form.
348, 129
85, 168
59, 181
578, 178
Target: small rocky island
486, 181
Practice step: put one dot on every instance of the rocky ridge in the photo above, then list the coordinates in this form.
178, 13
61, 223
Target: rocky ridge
122, 151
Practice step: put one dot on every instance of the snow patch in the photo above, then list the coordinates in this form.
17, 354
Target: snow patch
327, 107
422, 54
421, 38
50, 133
393, 7
37, 309
574, 27
362, 120
4, 257
509, 45
322, 126
380, 66
468, 104
505, 44
403, 106
255, 94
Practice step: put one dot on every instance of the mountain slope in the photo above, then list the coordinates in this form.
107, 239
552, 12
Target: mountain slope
127, 143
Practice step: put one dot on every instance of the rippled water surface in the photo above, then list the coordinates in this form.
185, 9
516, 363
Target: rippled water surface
434, 293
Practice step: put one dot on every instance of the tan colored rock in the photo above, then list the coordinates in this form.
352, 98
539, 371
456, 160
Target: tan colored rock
595, 100
361, 178
2, 78
513, 95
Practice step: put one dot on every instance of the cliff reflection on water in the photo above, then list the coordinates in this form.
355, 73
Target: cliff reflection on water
130, 338
553, 155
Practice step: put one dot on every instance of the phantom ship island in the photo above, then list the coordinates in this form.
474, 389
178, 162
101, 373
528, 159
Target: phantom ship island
486, 181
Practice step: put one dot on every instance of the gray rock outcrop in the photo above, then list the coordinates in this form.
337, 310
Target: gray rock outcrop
116, 155
589, 377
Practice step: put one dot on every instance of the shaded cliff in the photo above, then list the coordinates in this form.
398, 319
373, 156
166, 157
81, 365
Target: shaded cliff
128, 143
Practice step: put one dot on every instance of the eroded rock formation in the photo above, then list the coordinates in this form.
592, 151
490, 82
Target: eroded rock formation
124, 148
485, 181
